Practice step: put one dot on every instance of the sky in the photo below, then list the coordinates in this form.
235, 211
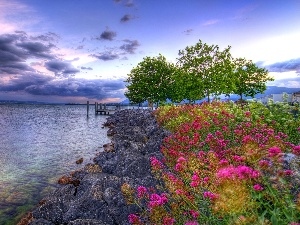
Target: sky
72, 51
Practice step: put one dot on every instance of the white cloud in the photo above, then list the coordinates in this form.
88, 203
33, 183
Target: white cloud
14, 16
210, 22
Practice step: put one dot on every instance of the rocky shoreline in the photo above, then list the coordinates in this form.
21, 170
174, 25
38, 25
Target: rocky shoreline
92, 196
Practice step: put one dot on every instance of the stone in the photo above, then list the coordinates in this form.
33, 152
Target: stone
92, 195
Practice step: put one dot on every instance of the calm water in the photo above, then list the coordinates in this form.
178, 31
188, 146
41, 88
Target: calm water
38, 144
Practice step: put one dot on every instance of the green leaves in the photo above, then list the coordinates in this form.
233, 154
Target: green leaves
149, 80
201, 71
248, 78
207, 67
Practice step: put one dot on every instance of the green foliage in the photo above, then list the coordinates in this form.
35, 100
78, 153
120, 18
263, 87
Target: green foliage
201, 71
248, 78
149, 80
205, 70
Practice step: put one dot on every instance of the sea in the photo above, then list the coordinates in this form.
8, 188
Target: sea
38, 144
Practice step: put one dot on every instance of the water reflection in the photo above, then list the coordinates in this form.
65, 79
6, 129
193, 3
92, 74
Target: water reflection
39, 143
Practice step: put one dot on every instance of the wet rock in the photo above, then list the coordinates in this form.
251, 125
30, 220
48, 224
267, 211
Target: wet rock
97, 199
79, 161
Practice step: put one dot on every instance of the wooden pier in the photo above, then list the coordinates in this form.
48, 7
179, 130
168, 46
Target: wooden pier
103, 109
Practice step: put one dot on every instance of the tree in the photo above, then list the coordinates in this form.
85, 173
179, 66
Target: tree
149, 80
208, 68
249, 79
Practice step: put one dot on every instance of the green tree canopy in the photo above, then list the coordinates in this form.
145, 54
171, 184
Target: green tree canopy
149, 80
206, 68
249, 79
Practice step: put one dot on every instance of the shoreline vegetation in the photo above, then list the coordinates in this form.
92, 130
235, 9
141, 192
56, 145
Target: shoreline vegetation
214, 163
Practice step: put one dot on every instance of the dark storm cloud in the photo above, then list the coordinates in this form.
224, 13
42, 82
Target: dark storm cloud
37, 49
16, 48
21, 82
100, 89
126, 18
61, 68
286, 66
130, 46
106, 56
107, 35
86, 68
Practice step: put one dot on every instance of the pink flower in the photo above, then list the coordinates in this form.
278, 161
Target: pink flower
240, 172
155, 163
210, 195
134, 219
288, 172
157, 200
195, 180
194, 214
168, 221
264, 164
238, 158
223, 162
247, 114
274, 151
178, 167
142, 191
181, 160
258, 187
296, 150
205, 179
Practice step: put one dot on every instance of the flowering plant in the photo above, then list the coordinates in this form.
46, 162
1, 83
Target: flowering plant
223, 164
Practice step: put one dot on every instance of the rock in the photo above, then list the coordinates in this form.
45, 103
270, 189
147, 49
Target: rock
79, 161
92, 195
108, 147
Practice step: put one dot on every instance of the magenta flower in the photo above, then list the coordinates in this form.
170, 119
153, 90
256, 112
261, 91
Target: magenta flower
210, 195
195, 180
142, 191
157, 200
134, 219
240, 172
168, 221
296, 150
274, 151
155, 163
264, 164
248, 114
288, 172
181, 160
258, 187
195, 214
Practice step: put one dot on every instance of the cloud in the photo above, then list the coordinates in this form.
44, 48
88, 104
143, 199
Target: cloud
37, 49
107, 35
86, 68
21, 82
130, 46
128, 3
126, 18
286, 66
61, 68
106, 56
210, 22
188, 31
96, 88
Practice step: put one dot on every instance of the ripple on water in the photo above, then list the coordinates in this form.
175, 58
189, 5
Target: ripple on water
38, 144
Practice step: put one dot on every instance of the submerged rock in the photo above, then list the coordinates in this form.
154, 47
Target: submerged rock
97, 198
